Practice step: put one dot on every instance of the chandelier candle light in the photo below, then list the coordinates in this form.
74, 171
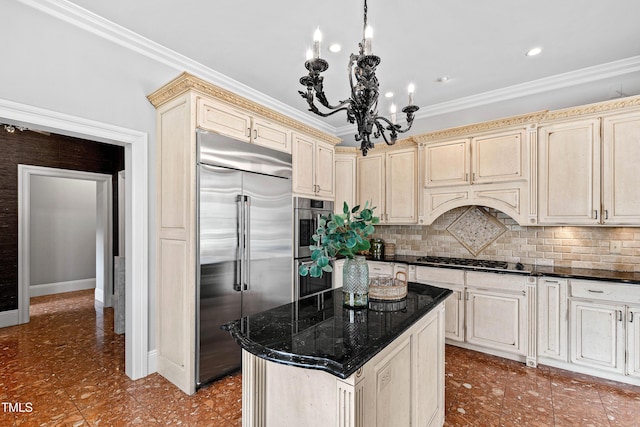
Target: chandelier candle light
362, 105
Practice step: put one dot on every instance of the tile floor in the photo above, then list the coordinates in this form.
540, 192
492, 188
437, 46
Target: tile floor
69, 366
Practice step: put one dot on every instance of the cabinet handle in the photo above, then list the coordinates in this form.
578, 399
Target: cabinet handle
466, 176
255, 134
595, 212
619, 315
595, 292
249, 132
473, 176
606, 214
551, 281
631, 317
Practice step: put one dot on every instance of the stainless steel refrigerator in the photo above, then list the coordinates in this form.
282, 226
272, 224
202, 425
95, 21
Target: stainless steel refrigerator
245, 242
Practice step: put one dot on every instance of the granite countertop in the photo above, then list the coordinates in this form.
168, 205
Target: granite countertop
319, 333
628, 277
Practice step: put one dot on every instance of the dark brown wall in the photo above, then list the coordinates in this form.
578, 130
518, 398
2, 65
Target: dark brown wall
55, 151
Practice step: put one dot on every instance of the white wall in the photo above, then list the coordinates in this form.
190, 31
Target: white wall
63, 230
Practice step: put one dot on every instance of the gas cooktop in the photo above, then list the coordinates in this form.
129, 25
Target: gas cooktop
480, 263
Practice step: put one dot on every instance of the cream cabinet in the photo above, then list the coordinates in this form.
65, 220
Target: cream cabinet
569, 168
552, 318
490, 169
388, 180
597, 335
345, 177
454, 305
633, 341
603, 327
240, 124
476, 160
496, 320
313, 163
588, 181
621, 157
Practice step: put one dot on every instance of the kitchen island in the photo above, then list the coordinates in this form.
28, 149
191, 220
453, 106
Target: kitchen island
315, 363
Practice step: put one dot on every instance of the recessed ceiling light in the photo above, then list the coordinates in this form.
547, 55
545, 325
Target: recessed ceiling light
335, 48
444, 79
534, 51
388, 95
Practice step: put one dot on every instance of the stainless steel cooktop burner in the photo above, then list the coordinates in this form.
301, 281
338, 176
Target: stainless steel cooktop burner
501, 265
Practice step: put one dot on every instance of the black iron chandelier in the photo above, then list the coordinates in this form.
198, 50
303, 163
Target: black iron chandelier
362, 106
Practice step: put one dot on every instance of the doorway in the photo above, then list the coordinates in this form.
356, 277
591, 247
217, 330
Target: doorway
137, 357
103, 234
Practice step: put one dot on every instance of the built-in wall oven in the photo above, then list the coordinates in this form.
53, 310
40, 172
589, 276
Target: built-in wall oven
307, 213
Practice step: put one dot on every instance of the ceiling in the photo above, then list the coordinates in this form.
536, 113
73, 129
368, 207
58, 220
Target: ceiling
481, 45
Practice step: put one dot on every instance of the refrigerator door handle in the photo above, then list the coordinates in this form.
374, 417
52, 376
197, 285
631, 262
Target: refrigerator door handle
247, 243
237, 285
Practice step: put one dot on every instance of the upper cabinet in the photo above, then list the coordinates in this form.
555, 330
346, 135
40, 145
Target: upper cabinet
475, 165
477, 160
387, 179
569, 165
239, 124
621, 157
588, 171
345, 176
313, 168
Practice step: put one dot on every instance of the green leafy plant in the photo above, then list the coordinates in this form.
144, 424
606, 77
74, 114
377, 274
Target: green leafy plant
340, 234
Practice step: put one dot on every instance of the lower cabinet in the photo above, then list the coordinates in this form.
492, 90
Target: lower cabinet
497, 320
633, 341
597, 335
552, 319
454, 305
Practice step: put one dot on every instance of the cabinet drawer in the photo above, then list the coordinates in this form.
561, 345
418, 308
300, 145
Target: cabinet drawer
377, 268
596, 290
441, 275
505, 282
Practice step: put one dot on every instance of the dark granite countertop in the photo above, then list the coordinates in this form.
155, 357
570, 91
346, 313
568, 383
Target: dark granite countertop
628, 277
319, 333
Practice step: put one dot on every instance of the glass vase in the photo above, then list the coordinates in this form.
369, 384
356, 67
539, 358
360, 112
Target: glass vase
355, 282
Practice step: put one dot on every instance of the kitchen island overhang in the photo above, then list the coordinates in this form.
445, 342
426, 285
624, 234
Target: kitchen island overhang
315, 362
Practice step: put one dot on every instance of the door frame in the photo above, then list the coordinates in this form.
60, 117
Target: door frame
103, 231
135, 145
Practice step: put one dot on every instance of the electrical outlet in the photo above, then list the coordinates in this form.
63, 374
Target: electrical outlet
615, 246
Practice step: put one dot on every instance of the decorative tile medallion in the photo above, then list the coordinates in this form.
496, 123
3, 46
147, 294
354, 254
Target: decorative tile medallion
476, 229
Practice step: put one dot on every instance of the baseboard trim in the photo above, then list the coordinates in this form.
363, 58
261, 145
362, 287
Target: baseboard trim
9, 318
60, 287
152, 362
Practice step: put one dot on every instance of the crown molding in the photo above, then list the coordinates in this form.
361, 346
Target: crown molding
186, 82
594, 109
524, 120
108, 30
559, 81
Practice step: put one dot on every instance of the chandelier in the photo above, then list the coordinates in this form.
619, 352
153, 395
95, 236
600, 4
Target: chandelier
362, 105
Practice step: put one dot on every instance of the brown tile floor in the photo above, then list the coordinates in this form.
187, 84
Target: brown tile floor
69, 365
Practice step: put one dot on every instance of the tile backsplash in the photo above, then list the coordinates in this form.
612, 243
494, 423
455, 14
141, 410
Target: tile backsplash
560, 246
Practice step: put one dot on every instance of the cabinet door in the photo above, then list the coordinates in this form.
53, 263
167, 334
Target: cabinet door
447, 163
345, 177
324, 170
498, 158
496, 320
552, 318
371, 181
272, 135
621, 153
633, 341
597, 336
303, 152
454, 315
223, 119
569, 167
401, 182
380, 268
